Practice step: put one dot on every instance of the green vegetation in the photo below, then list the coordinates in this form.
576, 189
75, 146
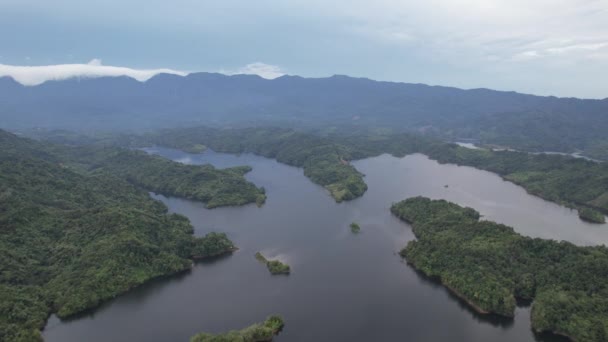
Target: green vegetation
204, 183
196, 148
325, 159
260, 258
489, 265
260, 332
325, 162
213, 244
274, 266
277, 267
565, 180
553, 130
70, 240
562, 179
591, 215
355, 228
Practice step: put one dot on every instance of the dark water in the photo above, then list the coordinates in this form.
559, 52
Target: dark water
343, 287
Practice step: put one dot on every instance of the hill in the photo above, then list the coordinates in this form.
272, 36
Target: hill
489, 266
70, 240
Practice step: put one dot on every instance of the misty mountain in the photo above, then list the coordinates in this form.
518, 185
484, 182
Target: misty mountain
487, 116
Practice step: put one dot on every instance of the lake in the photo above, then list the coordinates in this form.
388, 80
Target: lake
343, 286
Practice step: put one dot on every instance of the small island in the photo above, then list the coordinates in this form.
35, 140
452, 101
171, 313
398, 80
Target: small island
591, 215
259, 332
274, 266
211, 245
355, 228
196, 149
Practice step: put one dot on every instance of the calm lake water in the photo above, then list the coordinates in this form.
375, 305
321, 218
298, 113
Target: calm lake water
343, 287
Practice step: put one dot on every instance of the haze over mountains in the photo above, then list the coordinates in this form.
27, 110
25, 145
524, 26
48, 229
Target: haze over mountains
495, 117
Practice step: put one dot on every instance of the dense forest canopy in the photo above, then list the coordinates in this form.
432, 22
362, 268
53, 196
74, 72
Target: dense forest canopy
204, 183
490, 265
527, 122
71, 239
274, 266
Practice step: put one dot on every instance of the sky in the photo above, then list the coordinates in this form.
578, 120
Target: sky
544, 47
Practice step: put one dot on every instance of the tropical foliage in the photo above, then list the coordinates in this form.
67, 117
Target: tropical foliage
204, 183
274, 266
70, 240
490, 265
591, 215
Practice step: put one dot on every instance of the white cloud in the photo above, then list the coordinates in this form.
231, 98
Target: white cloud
467, 31
526, 55
577, 47
35, 75
261, 69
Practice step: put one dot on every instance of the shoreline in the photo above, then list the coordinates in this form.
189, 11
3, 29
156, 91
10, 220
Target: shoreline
481, 311
205, 257
88, 310
558, 333
455, 292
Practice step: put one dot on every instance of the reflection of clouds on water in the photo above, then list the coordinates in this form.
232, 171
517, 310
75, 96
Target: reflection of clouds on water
468, 145
184, 160
150, 150
274, 254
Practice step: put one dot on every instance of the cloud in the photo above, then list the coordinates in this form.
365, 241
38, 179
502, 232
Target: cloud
526, 55
566, 51
261, 69
543, 46
467, 31
577, 47
35, 75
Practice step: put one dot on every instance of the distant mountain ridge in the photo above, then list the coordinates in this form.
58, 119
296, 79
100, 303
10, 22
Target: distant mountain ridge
487, 116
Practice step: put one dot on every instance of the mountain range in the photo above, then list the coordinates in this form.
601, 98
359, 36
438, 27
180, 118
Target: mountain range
510, 119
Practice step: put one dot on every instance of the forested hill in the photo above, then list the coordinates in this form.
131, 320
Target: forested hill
71, 239
203, 183
492, 117
489, 265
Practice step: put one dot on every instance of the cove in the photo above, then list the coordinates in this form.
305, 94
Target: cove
343, 286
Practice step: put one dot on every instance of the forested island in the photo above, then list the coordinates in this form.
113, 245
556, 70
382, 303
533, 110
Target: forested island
591, 215
274, 266
259, 332
355, 228
72, 237
489, 266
